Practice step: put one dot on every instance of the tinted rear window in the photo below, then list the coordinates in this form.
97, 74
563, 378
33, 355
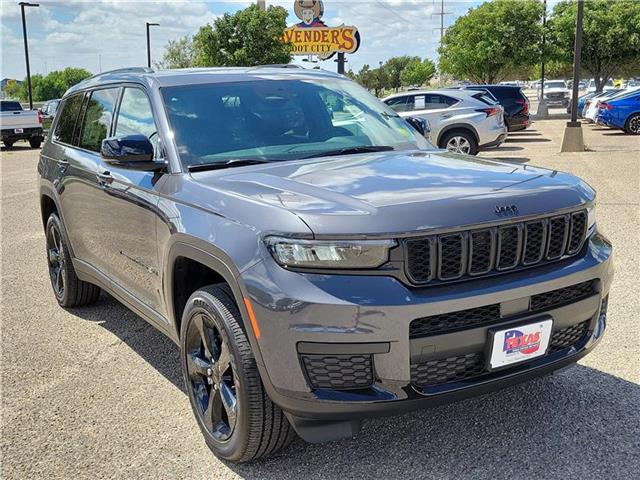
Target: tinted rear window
10, 106
97, 119
67, 121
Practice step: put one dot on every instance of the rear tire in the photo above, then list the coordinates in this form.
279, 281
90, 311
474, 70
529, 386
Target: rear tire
236, 416
460, 141
8, 143
68, 289
35, 142
632, 125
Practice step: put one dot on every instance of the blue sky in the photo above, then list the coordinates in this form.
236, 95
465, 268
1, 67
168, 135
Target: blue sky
111, 34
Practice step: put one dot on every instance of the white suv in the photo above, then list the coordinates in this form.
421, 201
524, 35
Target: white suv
461, 121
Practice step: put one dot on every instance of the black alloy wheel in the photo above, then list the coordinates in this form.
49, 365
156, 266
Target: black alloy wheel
211, 377
56, 258
237, 418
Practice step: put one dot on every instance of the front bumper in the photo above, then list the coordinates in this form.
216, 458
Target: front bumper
299, 311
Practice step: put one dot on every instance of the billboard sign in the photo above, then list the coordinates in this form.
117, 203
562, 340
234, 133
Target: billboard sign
311, 36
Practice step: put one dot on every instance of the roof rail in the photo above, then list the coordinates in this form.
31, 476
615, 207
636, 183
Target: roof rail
123, 70
278, 65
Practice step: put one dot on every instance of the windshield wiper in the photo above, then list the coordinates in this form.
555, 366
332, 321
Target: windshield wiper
236, 162
352, 150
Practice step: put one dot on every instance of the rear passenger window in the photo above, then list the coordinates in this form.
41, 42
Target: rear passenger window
97, 118
67, 121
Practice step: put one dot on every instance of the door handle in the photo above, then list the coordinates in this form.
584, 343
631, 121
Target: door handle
446, 115
104, 178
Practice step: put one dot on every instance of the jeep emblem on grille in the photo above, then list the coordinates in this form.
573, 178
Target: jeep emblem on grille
506, 210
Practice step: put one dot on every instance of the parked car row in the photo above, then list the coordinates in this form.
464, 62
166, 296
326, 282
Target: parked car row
616, 110
466, 119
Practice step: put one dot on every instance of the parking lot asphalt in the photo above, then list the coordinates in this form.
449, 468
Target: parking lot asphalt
96, 392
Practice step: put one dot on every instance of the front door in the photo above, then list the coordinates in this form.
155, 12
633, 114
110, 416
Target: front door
128, 209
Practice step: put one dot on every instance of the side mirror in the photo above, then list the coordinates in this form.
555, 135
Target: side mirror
420, 124
131, 151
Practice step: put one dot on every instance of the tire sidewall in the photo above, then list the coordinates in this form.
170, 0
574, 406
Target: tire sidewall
54, 220
461, 133
203, 302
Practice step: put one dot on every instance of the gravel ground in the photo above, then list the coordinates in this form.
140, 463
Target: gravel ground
96, 392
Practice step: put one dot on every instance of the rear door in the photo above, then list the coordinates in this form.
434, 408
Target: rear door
82, 194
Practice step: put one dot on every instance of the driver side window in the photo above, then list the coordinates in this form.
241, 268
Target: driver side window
135, 116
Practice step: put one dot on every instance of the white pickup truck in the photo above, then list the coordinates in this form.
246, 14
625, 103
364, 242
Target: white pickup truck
18, 124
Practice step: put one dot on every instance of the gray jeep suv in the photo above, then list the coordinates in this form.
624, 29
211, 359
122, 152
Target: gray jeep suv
314, 258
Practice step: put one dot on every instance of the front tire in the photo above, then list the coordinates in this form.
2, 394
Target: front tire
460, 141
632, 126
8, 143
236, 416
68, 289
35, 142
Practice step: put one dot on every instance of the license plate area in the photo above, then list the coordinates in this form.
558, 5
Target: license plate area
18, 130
518, 343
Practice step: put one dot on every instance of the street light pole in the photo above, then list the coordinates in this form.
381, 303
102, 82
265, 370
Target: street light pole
543, 110
148, 24
573, 140
26, 47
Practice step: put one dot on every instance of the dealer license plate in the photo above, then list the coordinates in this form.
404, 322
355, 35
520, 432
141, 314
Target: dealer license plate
18, 130
520, 343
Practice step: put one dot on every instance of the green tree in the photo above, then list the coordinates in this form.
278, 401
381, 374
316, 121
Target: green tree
52, 85
177, 54
394, 68
248, 37
491, 39
610, 38
418, 72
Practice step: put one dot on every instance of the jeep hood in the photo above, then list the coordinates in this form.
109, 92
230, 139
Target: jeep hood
398, 192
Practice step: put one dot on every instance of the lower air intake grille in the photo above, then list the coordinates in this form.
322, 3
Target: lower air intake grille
339, 372
447, 370
472, 365
423, 327
567, 337
558, 297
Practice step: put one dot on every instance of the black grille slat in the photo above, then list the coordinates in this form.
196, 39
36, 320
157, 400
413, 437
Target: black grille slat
561, 296
444, 322
578, 232
557, 237
451, 255
508, 246
534, 236
339, 372
419, 259
480, 252
474, 253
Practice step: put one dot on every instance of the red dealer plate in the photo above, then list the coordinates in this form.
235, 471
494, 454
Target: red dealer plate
519, 343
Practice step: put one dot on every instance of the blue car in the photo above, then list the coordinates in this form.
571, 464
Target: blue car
622, 112
581, 102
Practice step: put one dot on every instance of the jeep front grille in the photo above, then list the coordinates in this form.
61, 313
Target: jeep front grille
474, 253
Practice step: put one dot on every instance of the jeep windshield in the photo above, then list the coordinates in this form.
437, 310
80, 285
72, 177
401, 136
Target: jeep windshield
281, 119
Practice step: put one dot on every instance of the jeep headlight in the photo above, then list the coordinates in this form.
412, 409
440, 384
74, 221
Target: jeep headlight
333, 254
